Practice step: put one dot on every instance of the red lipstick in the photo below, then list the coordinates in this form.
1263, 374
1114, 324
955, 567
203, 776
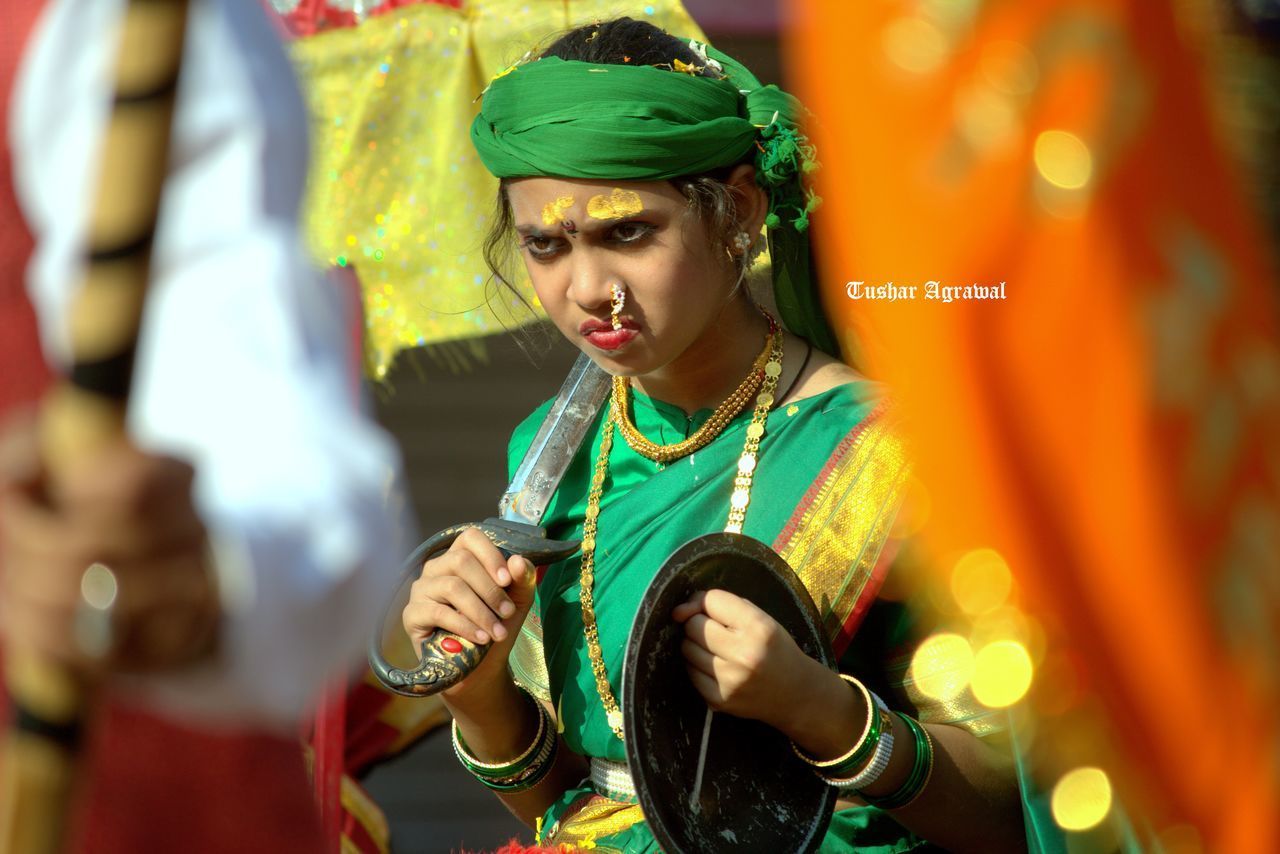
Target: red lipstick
601, 334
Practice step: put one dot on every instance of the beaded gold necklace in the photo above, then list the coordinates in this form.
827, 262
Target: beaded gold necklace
737, 505
725, 412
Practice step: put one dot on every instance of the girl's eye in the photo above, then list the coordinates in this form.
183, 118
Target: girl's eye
540, 247
632, 232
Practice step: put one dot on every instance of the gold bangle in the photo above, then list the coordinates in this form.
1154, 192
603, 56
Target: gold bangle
866, 730
464, 751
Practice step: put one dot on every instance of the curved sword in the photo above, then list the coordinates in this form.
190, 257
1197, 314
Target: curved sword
446, 658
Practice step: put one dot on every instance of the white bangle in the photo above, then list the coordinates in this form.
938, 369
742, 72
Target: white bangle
879, 760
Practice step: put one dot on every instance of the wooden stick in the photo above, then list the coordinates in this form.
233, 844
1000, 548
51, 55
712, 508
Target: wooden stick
86, 411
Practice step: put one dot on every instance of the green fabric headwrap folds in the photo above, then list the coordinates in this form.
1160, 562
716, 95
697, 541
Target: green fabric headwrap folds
568, 119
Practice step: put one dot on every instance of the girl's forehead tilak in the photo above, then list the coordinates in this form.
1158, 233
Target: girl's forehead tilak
617, 204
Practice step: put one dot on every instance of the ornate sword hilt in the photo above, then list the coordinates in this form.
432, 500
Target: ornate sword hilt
446, 658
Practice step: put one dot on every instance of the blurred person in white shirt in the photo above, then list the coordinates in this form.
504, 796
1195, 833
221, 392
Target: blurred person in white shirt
249, 441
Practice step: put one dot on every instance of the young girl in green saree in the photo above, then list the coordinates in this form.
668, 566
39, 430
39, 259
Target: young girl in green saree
638, 172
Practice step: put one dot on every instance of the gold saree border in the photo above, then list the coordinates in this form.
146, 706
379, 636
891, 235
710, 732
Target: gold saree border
835, 539
590, 818
528, 662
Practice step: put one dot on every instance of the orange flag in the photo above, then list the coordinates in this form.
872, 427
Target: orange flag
1031, 231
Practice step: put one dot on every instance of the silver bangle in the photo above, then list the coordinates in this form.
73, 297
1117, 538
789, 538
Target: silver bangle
879, 760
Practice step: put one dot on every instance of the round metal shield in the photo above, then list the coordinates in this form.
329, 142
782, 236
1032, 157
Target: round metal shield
755, 795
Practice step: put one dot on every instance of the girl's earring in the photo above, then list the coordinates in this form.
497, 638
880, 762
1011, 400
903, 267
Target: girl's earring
617, 300
742, 242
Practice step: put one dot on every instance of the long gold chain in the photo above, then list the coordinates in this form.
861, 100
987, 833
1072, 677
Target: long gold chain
737, 511
587, 579
724, 413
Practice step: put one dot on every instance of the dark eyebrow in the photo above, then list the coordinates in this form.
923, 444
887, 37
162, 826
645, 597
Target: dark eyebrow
591, 226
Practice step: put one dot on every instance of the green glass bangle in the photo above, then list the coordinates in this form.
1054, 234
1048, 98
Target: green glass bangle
858, 758
532, 777
921, 767
928, 774
921, 770
526, 776
510, 768
862, 748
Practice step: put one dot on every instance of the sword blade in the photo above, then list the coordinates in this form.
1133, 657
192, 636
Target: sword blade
556, 443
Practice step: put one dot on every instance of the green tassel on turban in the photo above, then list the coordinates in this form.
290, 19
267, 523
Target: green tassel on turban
560, 118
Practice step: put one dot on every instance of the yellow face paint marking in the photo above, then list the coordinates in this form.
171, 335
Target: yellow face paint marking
553, 212
616, 205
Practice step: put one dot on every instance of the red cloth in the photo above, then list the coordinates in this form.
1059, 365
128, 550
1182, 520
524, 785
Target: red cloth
151, 786
310, 17
23, 374
156, 786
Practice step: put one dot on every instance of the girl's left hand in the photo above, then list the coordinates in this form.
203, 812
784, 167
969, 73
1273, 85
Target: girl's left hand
740, 659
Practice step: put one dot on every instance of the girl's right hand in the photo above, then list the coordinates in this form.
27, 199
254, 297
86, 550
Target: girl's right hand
476, 593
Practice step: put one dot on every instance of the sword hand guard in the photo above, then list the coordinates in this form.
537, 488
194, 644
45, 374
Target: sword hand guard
446, 658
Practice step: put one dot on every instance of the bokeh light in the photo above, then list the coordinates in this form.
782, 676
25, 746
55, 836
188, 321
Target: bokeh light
915, 45
987, 117
942, 666
1081, 799
1002, 673
1063, 159
98, 587
1010, 623
981, 581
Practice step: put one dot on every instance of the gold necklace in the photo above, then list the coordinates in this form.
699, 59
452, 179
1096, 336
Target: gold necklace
737, 513
724, 413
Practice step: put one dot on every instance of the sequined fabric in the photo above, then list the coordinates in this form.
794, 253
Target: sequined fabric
835, 537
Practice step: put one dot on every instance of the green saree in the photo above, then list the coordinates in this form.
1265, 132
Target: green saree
829, 482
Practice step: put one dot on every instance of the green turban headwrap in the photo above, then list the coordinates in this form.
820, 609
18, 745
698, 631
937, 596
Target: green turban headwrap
568, 119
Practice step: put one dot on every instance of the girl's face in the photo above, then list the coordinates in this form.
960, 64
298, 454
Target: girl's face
579, 237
